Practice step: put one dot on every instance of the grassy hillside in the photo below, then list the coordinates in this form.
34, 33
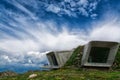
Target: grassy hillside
75, 59
68, 74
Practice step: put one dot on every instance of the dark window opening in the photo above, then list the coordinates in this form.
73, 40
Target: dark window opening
54, 60
98, 55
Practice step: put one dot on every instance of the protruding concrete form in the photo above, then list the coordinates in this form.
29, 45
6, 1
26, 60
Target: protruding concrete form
99, 54
57, 59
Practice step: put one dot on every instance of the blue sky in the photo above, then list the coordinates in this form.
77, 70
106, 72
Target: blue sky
28, 29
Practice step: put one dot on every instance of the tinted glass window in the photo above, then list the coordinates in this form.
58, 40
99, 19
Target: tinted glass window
54, 60
98, 55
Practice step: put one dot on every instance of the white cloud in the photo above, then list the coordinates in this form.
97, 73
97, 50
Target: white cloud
93, 16
84, 3
69, 7
83, 12
53, 8
64, 7
22, 8
6, 58
108, 32
67, 0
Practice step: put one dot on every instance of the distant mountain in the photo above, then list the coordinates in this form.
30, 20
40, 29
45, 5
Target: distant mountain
7, 73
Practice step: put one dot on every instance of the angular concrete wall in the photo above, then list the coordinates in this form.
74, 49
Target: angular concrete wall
94, 51
57, 59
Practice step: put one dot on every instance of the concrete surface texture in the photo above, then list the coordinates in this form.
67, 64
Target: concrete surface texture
57, 59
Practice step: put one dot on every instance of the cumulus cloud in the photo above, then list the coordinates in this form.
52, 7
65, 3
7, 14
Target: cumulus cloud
74, 7
106, 30
5, 57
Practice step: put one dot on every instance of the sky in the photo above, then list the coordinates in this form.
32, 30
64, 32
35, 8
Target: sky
30, 29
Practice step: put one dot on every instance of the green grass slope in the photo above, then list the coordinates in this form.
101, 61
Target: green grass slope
75, 59
68, 74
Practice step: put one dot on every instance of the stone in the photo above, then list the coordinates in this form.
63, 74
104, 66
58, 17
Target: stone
32, 76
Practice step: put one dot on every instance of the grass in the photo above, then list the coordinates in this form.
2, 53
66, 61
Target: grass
72, 60
69, 74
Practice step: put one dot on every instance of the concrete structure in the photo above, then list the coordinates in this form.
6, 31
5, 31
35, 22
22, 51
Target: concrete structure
57, 59
99, 54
